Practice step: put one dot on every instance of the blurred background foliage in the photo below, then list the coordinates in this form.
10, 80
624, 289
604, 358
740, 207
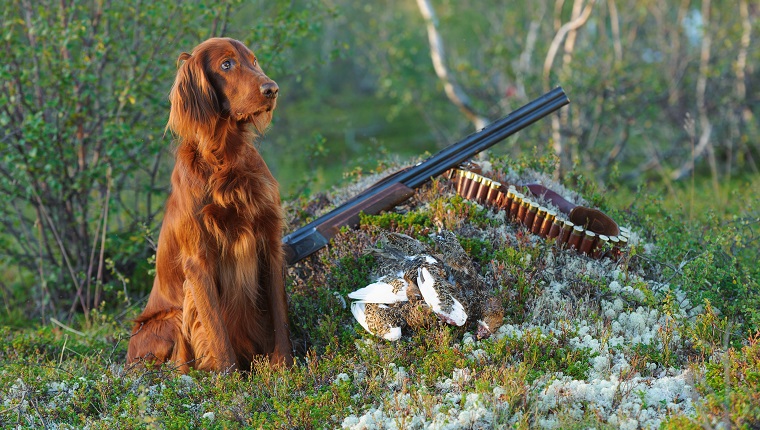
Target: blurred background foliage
664, 96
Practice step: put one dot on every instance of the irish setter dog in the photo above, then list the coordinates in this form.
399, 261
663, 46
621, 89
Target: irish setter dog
218, 298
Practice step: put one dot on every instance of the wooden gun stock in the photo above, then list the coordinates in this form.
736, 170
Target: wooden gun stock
320, 235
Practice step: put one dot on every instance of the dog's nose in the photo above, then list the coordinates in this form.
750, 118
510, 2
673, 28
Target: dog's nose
269, 89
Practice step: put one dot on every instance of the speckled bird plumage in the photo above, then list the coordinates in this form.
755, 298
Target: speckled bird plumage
440, 295
386, 290
378, 319
416, 285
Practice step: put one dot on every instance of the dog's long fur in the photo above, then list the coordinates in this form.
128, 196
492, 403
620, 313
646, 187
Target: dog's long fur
218, 298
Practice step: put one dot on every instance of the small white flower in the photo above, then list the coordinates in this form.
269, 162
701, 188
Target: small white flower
209, 416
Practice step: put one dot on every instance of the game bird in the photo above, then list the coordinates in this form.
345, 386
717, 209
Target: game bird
439, 295
378, 319
417, 285
386, 290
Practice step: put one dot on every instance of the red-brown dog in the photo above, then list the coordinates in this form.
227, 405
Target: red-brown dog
218, 298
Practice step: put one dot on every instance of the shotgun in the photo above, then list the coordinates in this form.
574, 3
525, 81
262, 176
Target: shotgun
394, 189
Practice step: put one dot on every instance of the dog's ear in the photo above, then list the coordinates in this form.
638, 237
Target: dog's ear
194, 103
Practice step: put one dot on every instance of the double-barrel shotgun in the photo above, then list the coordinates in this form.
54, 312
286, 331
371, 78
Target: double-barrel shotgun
394, 189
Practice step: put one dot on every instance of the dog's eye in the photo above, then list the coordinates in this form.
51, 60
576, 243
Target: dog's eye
227, 65
255, 62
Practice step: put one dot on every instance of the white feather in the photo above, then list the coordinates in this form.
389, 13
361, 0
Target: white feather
379, 292
393, 334
428, 259
357, 308
457, 314
425, 282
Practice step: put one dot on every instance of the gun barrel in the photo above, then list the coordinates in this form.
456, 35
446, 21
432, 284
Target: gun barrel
485, 138
308, 239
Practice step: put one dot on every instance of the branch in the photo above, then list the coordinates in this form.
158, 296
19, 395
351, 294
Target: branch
741, 60
615, 27
705, 144
561, 33
567, 30
65, 255
453, 91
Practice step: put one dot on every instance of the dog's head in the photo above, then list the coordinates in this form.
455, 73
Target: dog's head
221, 80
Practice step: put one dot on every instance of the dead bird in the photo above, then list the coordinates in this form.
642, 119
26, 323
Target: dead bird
461, 269
492, 317
403, 243
378, 319
439, 295
417, 286
386, 290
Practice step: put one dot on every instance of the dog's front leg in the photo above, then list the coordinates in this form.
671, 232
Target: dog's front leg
278, 303
205, 329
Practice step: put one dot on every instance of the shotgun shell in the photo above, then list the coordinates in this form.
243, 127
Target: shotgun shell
625, 233
472, 190
509, 200
515, 207
459, 181
464, 183
538, 222
574, 241
548, 222
530, 215
492, 197
621, 247
614, 247
564, 234
501, 200
522, 210
485, 185
556, 227
588, 242
614, 241
602, 247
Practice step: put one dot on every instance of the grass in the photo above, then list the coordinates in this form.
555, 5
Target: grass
668, 336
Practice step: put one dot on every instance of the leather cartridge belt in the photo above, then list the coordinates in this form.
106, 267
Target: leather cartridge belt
586, 230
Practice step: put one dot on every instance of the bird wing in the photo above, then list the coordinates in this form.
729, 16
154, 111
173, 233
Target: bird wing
357, 308
457, 313
426, 282
379, 292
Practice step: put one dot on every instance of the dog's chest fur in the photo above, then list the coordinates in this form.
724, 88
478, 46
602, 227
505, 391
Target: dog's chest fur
235, 200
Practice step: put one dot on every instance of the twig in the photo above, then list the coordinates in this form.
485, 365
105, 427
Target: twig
37, 409
437, 54
615, 27
65, 327
65, 341
705, 144
568, 28
99, 278
91, 263
561, 33
62, 247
